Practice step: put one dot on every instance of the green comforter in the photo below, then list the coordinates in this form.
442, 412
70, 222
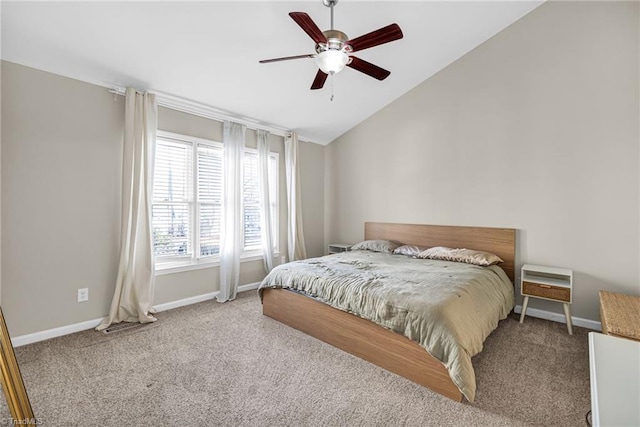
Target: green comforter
448, 308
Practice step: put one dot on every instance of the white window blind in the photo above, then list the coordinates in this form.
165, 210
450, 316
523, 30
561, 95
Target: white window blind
187, 199
251, 199
209, 199
172, 199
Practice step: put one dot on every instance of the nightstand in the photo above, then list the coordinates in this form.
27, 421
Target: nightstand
550, 283
336, 248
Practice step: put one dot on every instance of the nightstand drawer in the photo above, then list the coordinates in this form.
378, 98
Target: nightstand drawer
546, 291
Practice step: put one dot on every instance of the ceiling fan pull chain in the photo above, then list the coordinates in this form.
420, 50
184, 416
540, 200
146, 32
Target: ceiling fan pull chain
332, 74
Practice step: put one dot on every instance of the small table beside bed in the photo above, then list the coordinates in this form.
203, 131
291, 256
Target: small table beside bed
422, 319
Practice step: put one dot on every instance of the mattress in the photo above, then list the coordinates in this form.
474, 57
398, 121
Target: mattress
448, 308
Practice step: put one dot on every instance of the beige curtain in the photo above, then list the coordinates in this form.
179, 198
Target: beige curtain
231, 244
295, 235
265, 199
133, 297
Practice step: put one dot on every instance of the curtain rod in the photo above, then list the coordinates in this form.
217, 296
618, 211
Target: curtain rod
197, 109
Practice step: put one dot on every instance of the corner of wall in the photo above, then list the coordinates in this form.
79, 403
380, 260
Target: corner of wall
326, 196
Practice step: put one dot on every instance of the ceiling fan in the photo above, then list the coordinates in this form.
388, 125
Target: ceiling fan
334, 49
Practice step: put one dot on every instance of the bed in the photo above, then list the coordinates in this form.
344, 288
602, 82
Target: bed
378, 344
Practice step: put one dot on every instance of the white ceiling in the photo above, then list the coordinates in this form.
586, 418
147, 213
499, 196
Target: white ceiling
208, 52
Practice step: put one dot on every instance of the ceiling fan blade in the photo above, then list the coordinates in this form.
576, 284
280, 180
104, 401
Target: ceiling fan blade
318, 82
381, 36
286, 58
309, 27
368, 68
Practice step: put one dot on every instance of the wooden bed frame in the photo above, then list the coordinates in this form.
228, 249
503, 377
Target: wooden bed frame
371, 342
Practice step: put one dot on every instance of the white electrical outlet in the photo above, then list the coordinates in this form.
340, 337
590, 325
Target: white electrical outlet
83, 294
282, 260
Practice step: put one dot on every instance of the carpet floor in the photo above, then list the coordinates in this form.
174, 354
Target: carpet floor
213, 364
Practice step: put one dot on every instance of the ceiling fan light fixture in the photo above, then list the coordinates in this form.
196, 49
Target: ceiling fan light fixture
332, 61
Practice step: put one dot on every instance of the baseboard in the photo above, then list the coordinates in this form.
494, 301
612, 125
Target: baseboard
200, 298
559, 317
249, 287
55, 332
91, 324
183, 302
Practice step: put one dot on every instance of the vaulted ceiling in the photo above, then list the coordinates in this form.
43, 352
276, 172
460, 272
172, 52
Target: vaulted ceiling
208, 52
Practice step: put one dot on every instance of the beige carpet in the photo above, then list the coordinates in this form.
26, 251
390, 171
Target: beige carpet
214, 364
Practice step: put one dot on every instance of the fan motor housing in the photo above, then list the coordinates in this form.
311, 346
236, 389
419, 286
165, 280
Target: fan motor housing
335, 40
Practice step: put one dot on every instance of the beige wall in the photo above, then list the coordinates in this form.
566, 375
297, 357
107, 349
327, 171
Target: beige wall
60, 196
61, 179
536, 129
312, 184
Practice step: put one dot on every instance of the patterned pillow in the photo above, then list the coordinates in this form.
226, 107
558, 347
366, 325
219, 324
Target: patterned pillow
468, 256
409, 250
386, 246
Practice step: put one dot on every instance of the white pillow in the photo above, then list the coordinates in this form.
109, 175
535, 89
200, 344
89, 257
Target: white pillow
410, 250
385, 246
468, 256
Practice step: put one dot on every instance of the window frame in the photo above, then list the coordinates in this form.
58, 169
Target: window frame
194, 261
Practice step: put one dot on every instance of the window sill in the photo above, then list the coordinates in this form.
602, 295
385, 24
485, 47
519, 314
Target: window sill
182, 266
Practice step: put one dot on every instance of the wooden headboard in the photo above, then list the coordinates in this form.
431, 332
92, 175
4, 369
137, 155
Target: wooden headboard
500, 241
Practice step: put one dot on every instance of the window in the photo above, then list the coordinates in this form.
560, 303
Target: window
187, 201
209, 176
251, 199
172, 199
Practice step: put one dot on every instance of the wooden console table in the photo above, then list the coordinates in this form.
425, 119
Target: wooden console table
620, 315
